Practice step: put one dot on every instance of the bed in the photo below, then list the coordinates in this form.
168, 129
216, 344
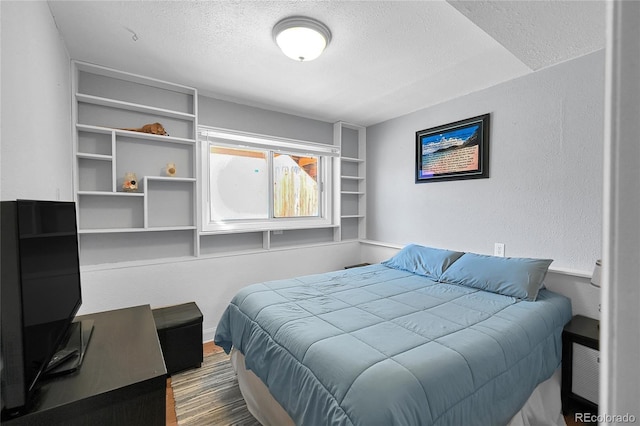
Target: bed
429, 337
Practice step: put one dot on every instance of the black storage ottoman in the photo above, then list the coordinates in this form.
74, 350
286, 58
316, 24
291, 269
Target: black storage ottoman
180, 333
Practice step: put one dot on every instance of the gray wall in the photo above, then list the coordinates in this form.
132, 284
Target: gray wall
36, 156
212, 281
544, 196
228, 115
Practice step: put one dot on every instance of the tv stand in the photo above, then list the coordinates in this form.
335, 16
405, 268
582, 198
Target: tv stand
122, 380
71, 352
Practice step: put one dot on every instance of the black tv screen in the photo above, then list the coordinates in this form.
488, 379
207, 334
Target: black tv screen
46, 279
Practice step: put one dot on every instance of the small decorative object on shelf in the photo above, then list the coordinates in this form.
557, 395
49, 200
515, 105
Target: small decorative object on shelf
171, 169
153, 128
130, 183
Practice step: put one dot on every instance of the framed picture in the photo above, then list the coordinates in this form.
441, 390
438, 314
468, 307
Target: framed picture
453, 151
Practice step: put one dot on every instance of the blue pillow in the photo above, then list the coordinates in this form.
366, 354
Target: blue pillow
427, 261
510, 276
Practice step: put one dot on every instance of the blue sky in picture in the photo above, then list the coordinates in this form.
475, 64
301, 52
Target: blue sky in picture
447, 139
463, 133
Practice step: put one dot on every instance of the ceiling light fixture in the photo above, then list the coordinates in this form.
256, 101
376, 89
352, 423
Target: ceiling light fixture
301, 38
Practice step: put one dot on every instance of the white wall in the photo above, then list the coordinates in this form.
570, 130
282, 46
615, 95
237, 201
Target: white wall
539, 122
36, 155
620, 335
585, 298
228, 115
543, 198
211, 282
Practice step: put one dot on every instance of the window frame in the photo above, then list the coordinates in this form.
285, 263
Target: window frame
327, 154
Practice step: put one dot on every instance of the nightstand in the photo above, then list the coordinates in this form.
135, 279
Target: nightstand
580, 365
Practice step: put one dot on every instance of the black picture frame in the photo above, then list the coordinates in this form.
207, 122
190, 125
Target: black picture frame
453, 151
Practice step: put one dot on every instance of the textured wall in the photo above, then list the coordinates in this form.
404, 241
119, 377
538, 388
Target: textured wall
229, 115
36, 106
544, 196
210, 282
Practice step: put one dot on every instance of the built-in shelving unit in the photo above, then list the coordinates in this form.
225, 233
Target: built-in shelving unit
351, 206
163, 210
245, 242
161, 219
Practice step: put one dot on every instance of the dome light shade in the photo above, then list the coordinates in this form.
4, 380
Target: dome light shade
301, 38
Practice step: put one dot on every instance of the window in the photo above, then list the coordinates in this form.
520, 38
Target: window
255, 182
296, 192
239, 184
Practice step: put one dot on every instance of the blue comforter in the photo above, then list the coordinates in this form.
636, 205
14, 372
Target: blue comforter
379, 346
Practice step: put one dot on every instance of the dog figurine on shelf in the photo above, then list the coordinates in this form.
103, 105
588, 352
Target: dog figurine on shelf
153, 128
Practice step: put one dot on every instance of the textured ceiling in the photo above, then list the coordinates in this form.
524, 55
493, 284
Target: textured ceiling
540, 33
386, 58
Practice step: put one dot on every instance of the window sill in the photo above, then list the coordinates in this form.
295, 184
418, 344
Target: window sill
239, 229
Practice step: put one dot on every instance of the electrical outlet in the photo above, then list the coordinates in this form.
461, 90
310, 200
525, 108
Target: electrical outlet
498, 249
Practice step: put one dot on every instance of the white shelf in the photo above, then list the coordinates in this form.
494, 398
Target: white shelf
111, 193
109, 230
100, 157
351, 202
94, 129
170, 228
113, 103
352, 160
131, 134
134, 78
160, 219
169, 179
124, 230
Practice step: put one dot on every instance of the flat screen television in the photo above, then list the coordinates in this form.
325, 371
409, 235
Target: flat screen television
40, 291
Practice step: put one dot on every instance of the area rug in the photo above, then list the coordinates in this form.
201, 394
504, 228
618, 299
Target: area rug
210, 395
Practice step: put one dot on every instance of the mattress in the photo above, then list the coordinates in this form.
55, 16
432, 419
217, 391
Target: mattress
380, 346
543, 407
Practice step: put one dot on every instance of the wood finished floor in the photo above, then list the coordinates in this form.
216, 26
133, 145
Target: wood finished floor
210, 348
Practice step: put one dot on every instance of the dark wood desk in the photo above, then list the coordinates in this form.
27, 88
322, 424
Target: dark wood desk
121, 382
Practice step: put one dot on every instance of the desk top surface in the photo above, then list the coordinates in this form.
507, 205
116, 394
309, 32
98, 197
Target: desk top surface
123, 350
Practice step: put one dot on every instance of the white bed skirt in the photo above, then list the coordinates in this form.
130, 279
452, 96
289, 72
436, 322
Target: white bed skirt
543, 407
